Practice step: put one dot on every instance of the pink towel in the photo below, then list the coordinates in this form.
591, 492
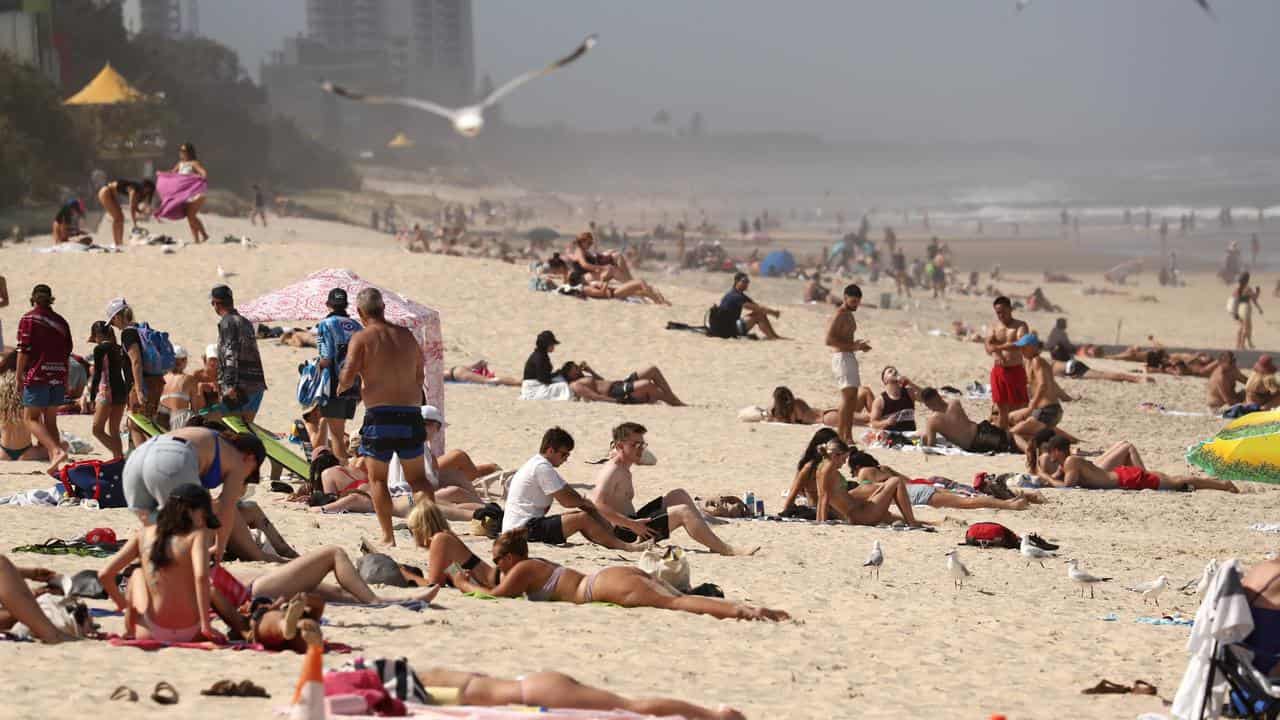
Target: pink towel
175, 191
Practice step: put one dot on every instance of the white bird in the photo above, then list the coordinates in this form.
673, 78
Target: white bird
1083, 578
957, 569
1199, 586
875, 560
225, 274
1152, 589
1031, 552
467, 121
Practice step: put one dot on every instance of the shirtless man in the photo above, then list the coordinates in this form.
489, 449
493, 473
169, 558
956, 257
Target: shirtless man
949, 420
1045, 409
1008, 376
615, 492
1222, 382
1075, 471
388, 362
844, 364
644, 387
1263, 388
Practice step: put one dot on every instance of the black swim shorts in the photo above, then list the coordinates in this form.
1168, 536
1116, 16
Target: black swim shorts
656, 513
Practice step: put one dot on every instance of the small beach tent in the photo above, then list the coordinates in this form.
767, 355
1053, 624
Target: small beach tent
305, 300
108, 88
778, 262
401, 142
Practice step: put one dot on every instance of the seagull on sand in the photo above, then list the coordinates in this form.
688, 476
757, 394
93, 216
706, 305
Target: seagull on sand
469, 120
1033, 553
1152, 589
957, 569
1083, 578
875, 560
224, 274
1199, 586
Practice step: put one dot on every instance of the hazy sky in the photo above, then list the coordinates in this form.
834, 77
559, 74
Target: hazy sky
918, 70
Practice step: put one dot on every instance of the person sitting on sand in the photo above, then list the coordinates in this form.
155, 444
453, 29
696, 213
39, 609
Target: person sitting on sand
583, 286
16, 442
728, 315
537, 484
1222, 390
478, 373
169, 596
895, 408
1075, 471
625, 585
602, 266
1263, 388
207, 376
556, 690
949, 420
1065, 365
615, 492
66, 223
1044, 408
857, 505
816, 292
866, 469
18, 604
1037, 301
643, 387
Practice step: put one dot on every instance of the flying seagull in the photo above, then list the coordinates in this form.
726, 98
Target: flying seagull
469, 120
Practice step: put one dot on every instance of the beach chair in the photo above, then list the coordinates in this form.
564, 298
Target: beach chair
1252, 694
276, 450
145, 424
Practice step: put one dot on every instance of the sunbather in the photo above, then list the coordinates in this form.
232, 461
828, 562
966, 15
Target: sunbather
603, 290
431, 530
867, 469
628, 586
18, 604
787, 408
1065, 365
343, 487
949, 420
479, 373
169, 596
645, 386
818, 479
1075, 471
306, 575
557, 690
16, 442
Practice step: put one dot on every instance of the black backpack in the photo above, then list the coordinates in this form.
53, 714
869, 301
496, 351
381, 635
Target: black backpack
720, 324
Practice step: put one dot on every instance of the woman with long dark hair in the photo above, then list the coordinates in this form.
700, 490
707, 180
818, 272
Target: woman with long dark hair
108, 389
169, 596
189, 164
139, 193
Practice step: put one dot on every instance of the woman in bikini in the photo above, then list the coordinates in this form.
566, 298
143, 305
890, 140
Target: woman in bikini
431, 530
602, 290
555, 690
139, 193
189, 164
15, 438
787, 408
478, 373
169, 596
628, 586
599, 266
856, 504
343, 488
108, 389
180, 400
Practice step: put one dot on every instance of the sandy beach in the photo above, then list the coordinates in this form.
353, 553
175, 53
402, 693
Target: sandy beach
1016, 640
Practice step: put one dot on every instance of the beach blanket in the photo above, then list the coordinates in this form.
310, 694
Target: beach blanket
153, 645
1265, 527
73, 247
472, 712
176, 191
72, 547
34, 497
1159, 408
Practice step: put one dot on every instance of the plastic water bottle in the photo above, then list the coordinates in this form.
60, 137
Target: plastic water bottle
750, 501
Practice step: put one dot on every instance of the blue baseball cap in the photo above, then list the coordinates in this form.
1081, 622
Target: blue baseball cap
1028, 339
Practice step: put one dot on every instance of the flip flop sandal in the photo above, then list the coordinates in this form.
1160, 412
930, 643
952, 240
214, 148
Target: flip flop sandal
1106, 687
124, 693
1142, 687
165, 694
228, 688
219, 689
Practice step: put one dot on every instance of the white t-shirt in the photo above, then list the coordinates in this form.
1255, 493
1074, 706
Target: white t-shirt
529, 495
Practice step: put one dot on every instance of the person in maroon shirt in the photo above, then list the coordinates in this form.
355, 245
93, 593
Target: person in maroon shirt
44, 344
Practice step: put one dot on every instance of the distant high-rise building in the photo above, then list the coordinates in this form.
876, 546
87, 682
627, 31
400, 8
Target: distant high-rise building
169, 18
26, 35
423, 48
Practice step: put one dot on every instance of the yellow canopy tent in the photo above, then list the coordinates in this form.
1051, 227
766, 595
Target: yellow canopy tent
401, 141
108, 88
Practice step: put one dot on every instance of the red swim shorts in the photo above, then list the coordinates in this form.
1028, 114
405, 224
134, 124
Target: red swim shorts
228, 586
1134, 478
1009, 385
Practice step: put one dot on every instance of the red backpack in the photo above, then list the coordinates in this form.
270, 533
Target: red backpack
990, 534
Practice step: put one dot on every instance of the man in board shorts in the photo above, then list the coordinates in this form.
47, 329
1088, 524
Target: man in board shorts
1008, 375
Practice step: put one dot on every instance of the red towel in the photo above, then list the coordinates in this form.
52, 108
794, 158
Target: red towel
150, 645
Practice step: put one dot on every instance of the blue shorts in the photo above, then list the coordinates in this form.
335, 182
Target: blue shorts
43, 396
253, 401
393, 430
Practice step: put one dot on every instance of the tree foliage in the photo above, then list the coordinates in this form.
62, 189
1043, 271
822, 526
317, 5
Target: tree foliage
41, 147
